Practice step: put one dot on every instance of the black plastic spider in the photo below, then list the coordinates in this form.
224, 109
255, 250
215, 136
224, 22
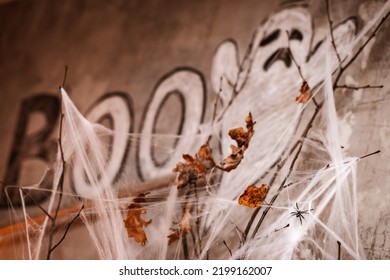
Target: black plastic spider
299, 213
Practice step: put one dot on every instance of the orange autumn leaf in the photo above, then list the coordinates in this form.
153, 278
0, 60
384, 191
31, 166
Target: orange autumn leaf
305, 93
184, 226
253, 196
134, 223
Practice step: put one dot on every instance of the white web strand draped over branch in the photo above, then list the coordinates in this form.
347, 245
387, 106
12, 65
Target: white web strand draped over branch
322, 183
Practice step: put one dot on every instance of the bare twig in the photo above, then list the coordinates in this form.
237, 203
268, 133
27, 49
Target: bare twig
230, 251
359, 51
60, 186
67, 229
297, 65
242, 70
358, 87
331, 32
370, 154
278, 229
217, 99
293, 58
185, 247
339, 250
40, 207
60, 189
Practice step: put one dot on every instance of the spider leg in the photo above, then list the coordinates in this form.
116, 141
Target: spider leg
295, 213
302, 218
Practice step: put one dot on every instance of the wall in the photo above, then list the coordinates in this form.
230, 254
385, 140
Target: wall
129, 48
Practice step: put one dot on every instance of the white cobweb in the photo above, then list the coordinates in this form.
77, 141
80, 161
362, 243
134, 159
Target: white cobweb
295, 150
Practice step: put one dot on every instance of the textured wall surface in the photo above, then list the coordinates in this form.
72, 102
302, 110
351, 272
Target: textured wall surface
130, 47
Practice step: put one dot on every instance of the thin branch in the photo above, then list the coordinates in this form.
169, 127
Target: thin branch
297, 65
339, 250
217, 100
370, 154
230, 251
342, 69
215, 108
197, 222
282, 185
358, 87
246, 60
40, 207
331, 32
185, 247
60, 188
278, 229
293, 58
67, 229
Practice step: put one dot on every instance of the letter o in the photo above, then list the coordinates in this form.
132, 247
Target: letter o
189, 85
117, 108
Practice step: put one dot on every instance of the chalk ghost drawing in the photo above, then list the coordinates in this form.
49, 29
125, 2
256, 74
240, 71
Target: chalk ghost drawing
266, 81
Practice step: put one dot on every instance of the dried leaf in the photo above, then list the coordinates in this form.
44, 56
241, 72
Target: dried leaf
184, 226
305, 93
134, 223
205, 153
233, 160
253, 196
194, 169
250, 123
241, 136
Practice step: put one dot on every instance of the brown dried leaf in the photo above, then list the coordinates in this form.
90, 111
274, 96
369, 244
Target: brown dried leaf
233, 160
253, 196
134, 223
205, 153
305, 93
241, 136
193, 169
183, 228
250, 123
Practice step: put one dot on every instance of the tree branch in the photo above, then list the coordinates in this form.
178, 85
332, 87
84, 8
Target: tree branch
331, 32
358, 87
67, 229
